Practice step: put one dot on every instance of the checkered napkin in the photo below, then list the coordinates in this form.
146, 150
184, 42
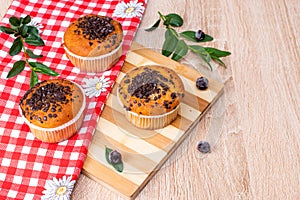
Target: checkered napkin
27, 165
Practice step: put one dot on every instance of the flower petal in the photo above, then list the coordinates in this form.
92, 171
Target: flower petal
121, 8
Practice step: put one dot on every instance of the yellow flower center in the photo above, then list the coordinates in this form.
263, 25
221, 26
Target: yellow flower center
61, 190
99, 85
129, 10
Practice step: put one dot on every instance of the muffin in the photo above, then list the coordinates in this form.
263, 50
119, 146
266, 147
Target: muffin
53, 109
93, 43
151, 96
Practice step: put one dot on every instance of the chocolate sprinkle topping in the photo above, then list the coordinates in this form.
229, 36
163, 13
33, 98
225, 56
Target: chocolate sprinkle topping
50, 96
95, 27
146, 83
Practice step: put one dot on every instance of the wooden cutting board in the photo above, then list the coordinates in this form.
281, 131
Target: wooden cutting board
144, 151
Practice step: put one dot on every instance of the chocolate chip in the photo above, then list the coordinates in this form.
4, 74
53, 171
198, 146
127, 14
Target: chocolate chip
45, 109
95, 27
127, 108
173, 95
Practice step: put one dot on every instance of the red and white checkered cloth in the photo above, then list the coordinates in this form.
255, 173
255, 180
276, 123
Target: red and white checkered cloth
25, 162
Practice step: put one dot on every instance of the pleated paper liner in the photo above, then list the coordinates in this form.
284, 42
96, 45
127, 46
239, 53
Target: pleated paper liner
95, 64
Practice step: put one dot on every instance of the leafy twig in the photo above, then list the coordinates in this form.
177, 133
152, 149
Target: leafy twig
177, 47
25, 33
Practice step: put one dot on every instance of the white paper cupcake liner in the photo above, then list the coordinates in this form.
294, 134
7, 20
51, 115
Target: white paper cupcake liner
152, 122
62, 132
95, 64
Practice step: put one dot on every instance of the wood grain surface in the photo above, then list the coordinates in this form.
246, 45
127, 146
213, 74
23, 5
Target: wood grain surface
145, 151
254, 129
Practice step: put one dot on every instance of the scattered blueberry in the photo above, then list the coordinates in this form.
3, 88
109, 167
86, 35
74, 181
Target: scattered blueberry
199, 35
202, 83
203, 147
115, 157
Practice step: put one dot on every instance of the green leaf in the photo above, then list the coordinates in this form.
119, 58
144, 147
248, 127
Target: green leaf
174, 20
17, 68
218, 60
14, 22
119, 167
7, 30
21, 20
17, 34
34, 41
16, 47
26, 20
23, 31
180, 51
154, 26
32, 55
216, 52
206, 57
169, 43
33, 78
33, 31
107, 152
43, 69
197, 48
190, 35
202, 53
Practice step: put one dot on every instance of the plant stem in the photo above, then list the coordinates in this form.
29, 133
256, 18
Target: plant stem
25, 53
162, 16
174, 32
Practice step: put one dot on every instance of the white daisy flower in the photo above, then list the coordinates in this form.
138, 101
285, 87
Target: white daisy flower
131, 9
36, 24
95, 86
58, 189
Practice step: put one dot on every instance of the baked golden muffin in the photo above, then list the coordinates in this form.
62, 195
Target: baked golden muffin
93, 43
53, 109
151, 96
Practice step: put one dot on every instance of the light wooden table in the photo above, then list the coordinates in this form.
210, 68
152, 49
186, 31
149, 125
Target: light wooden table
256, 144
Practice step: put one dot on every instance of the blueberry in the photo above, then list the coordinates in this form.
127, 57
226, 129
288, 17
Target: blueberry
202, 83
199, 35
203, 147
115, 157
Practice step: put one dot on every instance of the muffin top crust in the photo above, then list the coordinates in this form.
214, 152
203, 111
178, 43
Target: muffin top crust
151, 90
93, 35
51, 103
